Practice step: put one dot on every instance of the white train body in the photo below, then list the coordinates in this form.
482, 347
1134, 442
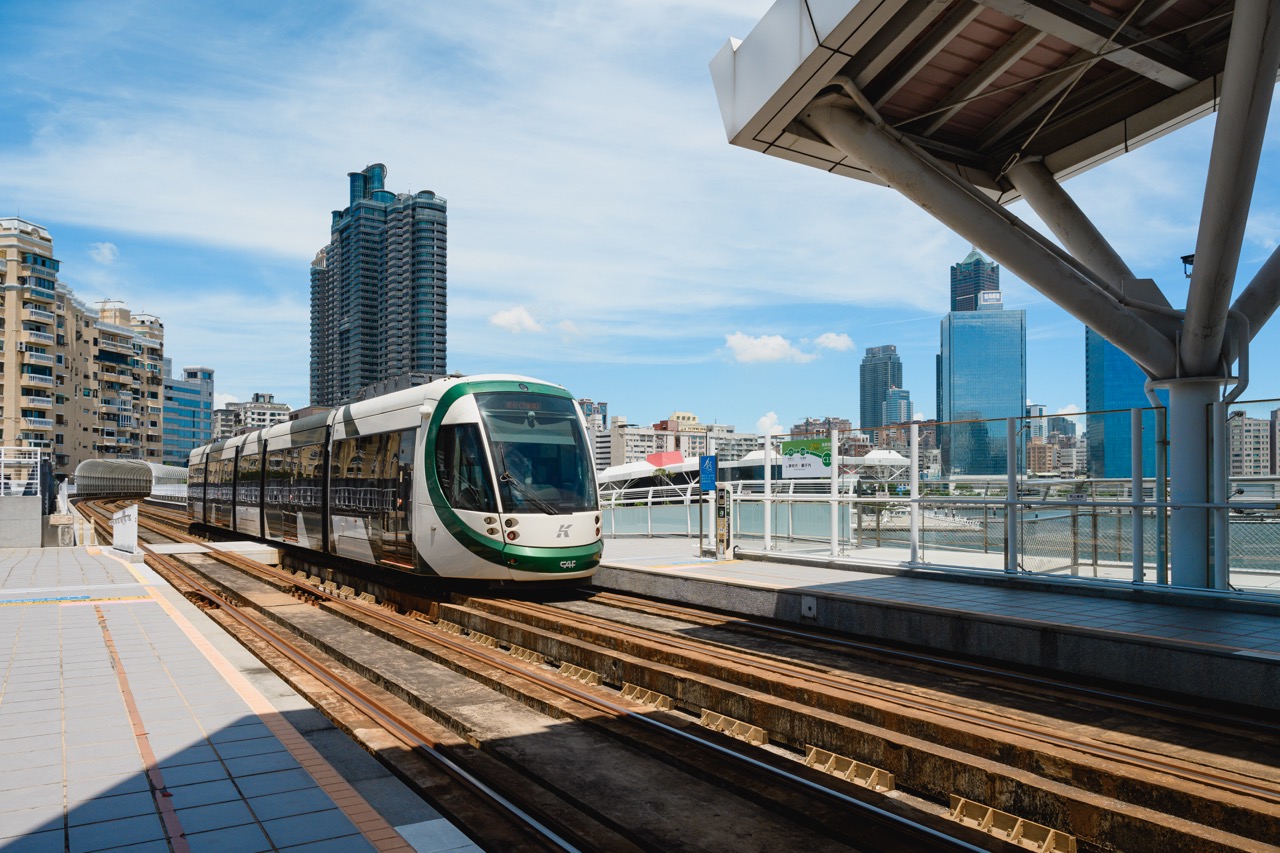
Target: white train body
485, 477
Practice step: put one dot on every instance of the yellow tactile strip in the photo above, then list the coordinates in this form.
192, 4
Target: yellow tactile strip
372, 825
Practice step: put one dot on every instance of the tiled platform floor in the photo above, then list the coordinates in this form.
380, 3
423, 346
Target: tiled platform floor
123, 727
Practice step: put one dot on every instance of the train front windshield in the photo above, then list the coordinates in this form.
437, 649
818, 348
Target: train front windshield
540, 453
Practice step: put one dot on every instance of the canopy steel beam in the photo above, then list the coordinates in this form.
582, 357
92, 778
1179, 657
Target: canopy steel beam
1079, 24
1006, 238
1262, 296
911, 20
1044, 91
1076, 232
1248, 80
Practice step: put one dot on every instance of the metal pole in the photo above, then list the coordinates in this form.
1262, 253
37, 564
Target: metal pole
1135, 457
1189, 461
915, 493
1221, 518
1162, 497
835, 493
1011, 498
768, 492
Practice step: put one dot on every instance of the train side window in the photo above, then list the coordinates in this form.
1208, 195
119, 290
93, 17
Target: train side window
461, 468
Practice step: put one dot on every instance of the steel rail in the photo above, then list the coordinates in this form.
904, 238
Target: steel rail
855, 688
356, 697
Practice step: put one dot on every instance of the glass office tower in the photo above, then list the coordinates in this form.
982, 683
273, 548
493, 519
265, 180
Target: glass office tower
378, 290
1114, 381
982, 373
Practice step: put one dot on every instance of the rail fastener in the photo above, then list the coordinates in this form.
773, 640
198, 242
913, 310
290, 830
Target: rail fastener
483, 639
848, 769
527, 655
577, 673
734, 728
451, 628
644, 696
1024, 833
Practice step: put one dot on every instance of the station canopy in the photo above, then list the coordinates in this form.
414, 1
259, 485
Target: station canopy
978, 85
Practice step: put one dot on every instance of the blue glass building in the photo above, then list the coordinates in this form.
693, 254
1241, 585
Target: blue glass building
188, 412
1114, 381
881, 369
378, 290
982, 373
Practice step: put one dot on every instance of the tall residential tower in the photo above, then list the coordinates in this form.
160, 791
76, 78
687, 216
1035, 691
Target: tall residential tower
378, 290
881, 370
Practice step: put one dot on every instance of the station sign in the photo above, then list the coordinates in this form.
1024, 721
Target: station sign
707, 473
808, 458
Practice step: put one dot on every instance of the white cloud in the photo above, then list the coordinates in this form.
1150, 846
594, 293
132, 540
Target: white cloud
516, 320
220, 400
768, 425
835, 340
568, 326
104, 253
764, 348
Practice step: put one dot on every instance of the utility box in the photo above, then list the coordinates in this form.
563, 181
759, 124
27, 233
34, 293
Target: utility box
724, 522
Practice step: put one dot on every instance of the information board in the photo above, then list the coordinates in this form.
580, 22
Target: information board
707, 473
809, 458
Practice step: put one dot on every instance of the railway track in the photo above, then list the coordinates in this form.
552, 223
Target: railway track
589, 769
1120, 772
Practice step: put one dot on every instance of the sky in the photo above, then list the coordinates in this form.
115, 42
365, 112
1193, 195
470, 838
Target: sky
603, 234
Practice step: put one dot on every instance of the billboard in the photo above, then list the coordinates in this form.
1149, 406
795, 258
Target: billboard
809, 458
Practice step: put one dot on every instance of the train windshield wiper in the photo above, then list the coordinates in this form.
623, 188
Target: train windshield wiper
527, 495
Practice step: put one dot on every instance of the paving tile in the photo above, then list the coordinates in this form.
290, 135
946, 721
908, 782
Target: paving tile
195, 754
302, 801
435, 835
303, 829
345, 844
252, 746
79, 791
50, 841
35, 796
192, 774
216, 816
273, 783
241, 839
251, 728
111, 808
50, 774
250, 765
115, 833
15, 762
46, 728
30, 821
204, 794
110, 765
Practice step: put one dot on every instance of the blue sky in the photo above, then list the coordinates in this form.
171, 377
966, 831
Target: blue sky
603, 234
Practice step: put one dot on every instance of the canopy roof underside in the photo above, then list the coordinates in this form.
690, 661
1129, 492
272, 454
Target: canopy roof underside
979, 85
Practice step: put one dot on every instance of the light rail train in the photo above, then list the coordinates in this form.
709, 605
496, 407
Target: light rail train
487, 477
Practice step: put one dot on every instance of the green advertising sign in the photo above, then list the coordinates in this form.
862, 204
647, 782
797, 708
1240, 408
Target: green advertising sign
810, 457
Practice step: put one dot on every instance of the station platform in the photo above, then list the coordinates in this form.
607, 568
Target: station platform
130, 720
1205, 648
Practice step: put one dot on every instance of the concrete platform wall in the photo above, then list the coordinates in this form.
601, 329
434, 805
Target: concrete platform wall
20, 521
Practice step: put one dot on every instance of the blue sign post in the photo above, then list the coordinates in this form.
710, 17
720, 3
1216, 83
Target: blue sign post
707, 473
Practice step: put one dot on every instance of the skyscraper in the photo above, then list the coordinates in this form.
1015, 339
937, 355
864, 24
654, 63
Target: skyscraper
881, 370
378, 290
897, 407
972, 276
188, 412
1113, 381
982, 372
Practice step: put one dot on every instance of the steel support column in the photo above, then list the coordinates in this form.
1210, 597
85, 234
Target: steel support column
1261, 297
1190, 462
1248, 82
1006, 238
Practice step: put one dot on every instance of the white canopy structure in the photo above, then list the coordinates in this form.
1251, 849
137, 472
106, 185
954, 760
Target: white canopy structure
99, 477
966, 105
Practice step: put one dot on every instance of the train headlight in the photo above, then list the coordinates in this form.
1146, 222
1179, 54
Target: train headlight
511, 522
512, 535
493, 531
489, 519
597, 519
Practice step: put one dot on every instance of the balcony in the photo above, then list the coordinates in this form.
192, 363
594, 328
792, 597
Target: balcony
38, 402
37, 379
40, 293
38, 423
38, 358
32, 336
38, 315
115, 346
